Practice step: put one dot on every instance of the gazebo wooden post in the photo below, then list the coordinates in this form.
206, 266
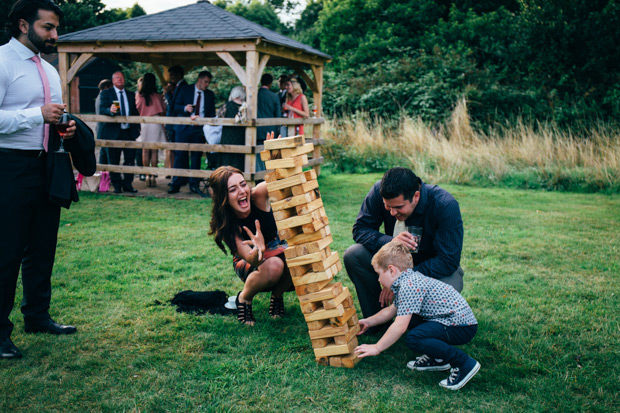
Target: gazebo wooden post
251, 99
63, 69
317, 94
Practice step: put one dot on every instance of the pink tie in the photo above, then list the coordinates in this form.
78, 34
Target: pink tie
48, 98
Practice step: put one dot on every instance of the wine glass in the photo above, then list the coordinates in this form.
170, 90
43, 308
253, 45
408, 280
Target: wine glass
61, 128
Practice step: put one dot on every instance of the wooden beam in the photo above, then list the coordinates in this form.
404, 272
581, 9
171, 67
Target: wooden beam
311, 83
159, 73
63, 67
198, 147
261, 67
291, 54
77, 65
158, 47
235, 66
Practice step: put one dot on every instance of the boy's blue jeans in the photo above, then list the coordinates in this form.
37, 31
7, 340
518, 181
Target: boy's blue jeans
437, 340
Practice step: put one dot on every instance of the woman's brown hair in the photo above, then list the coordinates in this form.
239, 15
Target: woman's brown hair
222, 216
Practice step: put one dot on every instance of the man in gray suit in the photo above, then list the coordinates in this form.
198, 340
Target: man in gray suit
268, 107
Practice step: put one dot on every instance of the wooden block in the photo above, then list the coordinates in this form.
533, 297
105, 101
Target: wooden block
269, 155
302, 238
312, 277
284, 214
289, 233
295, 162
329, 331
321, 342
317, 325
300, 220
290, 142
348, 302
336, 301
309, 307
309, 207
310, 174
305, 187
335, 361
353, 320
316, 223
286, 182
342, 320
326, 263
300, 150
281, 173
350, 361
322, 361
330, 291
299, 270
336, 349
311, 288
344, 339
309, 248
275, 196
309, 258
294, 201
325, 314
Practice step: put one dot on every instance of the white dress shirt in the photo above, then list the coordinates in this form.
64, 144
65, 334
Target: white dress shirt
201, 109
125, 103
22, 96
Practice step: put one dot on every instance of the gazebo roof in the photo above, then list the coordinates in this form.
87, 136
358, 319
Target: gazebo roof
201, 21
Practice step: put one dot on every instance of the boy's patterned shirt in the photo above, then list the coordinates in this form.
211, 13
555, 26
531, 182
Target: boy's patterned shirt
432, 299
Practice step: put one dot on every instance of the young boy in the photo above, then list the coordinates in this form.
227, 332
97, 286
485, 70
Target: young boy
435, 314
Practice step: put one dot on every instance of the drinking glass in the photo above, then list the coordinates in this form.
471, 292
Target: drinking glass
417, 236
61, 128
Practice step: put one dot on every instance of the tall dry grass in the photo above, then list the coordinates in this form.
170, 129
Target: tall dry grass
521, 155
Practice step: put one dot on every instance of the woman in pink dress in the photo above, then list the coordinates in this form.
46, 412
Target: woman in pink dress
296, 103
150, 103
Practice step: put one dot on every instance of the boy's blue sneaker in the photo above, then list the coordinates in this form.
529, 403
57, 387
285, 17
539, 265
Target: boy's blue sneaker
426, 363
460, 376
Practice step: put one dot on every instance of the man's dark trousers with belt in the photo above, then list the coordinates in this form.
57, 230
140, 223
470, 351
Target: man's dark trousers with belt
29, 223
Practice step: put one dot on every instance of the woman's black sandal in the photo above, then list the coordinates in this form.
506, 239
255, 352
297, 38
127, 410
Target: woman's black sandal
244, 312
276, 307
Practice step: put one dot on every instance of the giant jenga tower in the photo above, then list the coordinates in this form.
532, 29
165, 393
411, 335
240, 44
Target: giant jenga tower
301, 220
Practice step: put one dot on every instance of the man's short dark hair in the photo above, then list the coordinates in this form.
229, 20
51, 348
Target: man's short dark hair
29, 11
266, 79
177, 69
205, 73
399, 181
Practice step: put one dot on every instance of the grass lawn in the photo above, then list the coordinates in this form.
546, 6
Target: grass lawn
541, 275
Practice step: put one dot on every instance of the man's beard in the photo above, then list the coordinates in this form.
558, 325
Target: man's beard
39, 43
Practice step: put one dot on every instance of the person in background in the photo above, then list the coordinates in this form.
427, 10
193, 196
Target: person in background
120, 131
150, 103
30, 100
296, 104
268, 107
242, 220
233, 135
175, 82
193, 101
103, 152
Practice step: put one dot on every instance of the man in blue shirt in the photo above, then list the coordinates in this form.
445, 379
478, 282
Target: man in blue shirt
399, 200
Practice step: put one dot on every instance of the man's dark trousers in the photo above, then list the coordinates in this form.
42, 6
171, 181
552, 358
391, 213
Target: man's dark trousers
28, 237
182, 159
129, 155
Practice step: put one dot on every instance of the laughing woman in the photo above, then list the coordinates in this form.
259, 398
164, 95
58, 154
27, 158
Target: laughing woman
242, 220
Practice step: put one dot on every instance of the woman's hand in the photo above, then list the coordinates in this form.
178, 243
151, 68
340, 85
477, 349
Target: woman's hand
256, 240
270, 136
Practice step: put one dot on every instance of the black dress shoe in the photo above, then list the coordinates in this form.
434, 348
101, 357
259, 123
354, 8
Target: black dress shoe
174, 189
117, 190
49, 326
129, 189
195, 189
8, 350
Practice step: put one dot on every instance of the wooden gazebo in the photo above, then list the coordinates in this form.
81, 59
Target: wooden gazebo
199, 34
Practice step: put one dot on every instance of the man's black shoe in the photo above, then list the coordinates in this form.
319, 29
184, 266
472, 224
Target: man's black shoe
129, 189
174, 189
117, 190
8, 350
49, 326
195, 189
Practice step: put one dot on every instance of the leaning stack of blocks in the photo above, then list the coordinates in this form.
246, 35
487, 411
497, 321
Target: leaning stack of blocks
301, 220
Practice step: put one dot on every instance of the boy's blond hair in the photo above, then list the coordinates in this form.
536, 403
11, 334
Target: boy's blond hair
393, 253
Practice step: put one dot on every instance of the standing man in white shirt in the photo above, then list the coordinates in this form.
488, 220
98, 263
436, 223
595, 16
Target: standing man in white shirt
30, 100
